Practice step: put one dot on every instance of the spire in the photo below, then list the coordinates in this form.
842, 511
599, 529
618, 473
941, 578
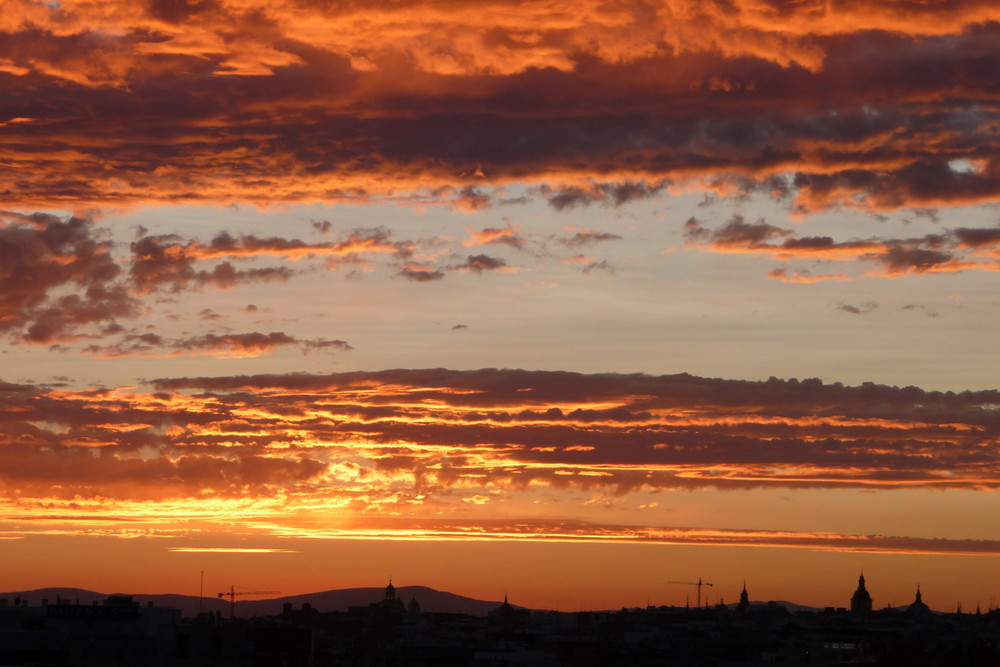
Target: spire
918, 608
744, 598
861, 601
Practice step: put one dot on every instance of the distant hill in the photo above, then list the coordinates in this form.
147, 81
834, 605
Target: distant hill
790, 606
335, 600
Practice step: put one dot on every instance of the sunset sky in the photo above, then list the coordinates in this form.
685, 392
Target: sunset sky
561, 299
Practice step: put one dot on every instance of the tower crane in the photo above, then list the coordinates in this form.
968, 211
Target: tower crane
698, 583
232, 593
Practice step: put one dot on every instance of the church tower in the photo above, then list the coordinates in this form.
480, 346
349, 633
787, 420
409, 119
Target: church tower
744, 604
919, 607
861, 601
390, 591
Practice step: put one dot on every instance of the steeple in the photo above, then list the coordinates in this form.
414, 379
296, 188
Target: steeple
861, 601
390, 591
744, 599
918, 608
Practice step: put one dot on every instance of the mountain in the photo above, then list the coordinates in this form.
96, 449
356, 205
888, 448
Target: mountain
790, 606
334, 600
428, 599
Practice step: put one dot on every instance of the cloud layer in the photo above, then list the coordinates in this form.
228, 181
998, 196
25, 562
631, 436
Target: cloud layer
947, 251
419, 444
854, 104
64, 281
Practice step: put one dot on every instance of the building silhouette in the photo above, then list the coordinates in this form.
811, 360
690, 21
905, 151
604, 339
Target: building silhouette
389, 602
122, 632
918, 609
861, 601
744, 604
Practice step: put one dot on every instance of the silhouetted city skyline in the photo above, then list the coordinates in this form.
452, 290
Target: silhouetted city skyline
386, 628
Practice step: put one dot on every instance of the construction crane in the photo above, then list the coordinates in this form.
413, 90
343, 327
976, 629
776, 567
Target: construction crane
698, 583
232, 593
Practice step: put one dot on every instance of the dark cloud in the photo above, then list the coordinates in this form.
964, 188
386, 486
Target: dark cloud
421, 274
860, 309
165, 262
322, 226
880, 109
900, 259
607, 194
946, 252
59, 281
653, 432
737, 232
978, 238
930, 214
221, 345
480, 263
598, 266
585, 238
447, 435
56, 277
170, 262
471, 199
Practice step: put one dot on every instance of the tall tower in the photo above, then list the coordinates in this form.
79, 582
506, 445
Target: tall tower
861, 601
918, 608
390, 591
744, 600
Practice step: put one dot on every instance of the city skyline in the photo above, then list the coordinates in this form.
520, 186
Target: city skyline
518, 294
428, 598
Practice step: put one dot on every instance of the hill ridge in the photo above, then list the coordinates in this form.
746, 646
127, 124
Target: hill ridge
338, 599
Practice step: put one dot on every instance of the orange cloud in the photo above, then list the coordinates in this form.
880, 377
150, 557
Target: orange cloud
405, 440
594, 103
949, 252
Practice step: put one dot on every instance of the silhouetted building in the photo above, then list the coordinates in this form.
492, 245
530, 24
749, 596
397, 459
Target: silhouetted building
389, 602
118, 631
918, 608
508, 618
121, 632
744, 604
861, 601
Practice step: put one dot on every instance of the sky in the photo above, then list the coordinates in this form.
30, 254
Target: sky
568, 301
